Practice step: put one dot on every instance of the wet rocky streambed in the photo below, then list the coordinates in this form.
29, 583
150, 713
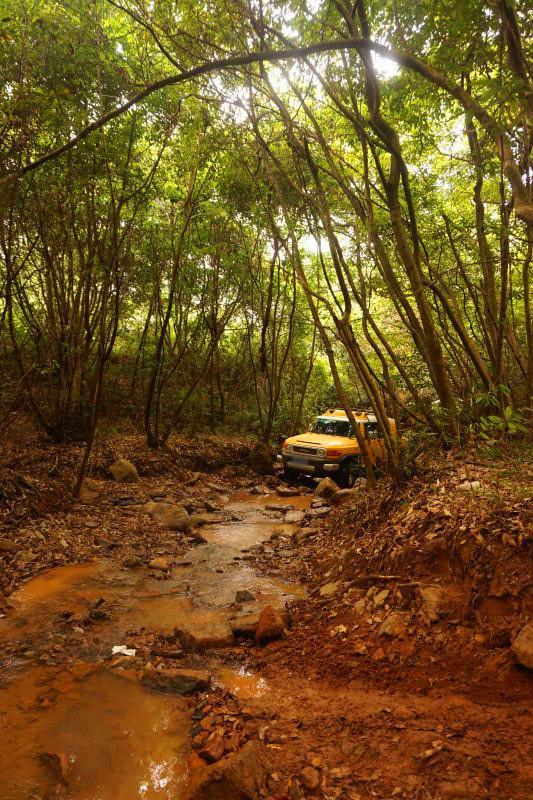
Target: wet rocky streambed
82, 722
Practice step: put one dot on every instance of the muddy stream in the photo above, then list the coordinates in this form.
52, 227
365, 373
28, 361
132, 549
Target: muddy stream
92, 719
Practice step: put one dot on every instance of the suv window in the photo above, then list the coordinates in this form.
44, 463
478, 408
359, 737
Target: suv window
332, 427
372, 430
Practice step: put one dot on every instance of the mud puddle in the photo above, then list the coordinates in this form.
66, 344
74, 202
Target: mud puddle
95, 734
91, 729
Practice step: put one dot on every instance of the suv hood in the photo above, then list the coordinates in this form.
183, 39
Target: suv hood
320, 440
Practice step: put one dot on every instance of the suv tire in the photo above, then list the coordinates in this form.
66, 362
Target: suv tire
348, 473
290, 474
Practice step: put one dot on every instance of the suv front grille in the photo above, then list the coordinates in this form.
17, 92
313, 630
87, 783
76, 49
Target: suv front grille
310, 451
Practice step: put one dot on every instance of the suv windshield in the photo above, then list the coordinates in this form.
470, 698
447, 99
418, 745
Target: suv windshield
332, 427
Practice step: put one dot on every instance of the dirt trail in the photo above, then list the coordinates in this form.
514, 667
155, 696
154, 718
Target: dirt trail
81, 725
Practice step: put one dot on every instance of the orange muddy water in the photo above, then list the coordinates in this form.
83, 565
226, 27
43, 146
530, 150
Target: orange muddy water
90, 731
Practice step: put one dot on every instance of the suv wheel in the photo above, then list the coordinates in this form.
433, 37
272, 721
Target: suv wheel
348, 473
290, 474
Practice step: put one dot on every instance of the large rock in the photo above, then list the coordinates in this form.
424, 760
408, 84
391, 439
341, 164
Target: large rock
522, 646
123, 470
261, 459
239, 776
245, 625
177, 681
326, 488
270, 626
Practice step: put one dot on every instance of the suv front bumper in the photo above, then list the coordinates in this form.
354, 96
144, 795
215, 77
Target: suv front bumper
309, 466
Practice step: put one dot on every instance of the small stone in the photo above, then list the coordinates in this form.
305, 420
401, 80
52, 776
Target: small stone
287, 491
132, 562
310, 778
473, 487
213, 749
89, 490
124, 471
343, 496
522, 646
380, 597
278, 507
393, 625
329, 589
304, 533
296, 517
284, 529
244, 596
160, 562
315, 513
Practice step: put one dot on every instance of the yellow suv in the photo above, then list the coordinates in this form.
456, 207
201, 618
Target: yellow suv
330, 447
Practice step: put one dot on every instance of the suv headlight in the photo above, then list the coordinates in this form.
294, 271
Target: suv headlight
322, 452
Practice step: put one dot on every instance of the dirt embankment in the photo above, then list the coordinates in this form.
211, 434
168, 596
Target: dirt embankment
422, 584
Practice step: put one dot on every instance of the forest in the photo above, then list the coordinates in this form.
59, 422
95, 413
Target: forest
217, 220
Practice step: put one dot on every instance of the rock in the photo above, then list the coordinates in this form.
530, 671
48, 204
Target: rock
270, 626
393, 625
160, 562
315, 513
522, 646
244, 596
261, 490
177, 681
245, 625
213, 749
310, 778
89, 490
205, 636
175, 518
329, 589
438, 602
132, 562
278, 507
123, 470
239, 776
380, 598
473, 487
304, 533
284, 529
342, 496
326, 488
287, 491
296, 517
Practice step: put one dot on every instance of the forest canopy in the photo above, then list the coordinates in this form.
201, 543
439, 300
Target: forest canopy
230, 215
